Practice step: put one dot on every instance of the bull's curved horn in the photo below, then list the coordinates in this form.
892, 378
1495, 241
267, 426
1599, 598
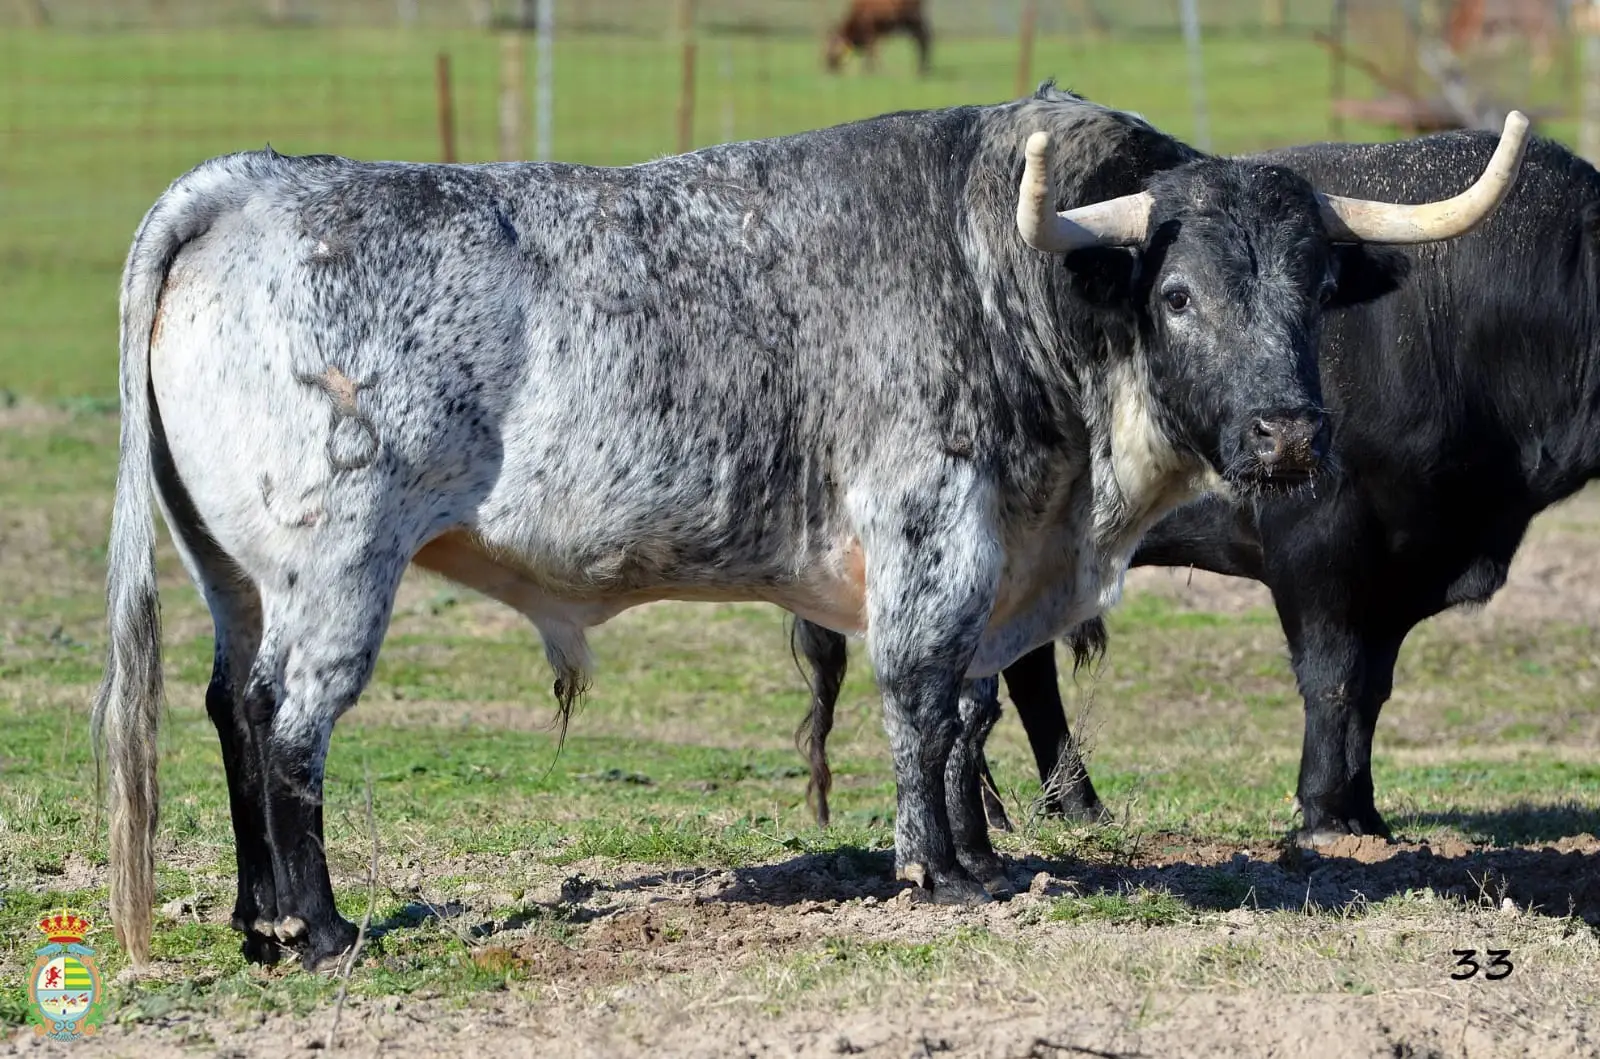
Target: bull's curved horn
1364, 221
1114, 222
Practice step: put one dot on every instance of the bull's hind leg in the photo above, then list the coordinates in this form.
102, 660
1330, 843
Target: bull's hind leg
1036, 693
238, 625
318, 651
964, 777
235, 609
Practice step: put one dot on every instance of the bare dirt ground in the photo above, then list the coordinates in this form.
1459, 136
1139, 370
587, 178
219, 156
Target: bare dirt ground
751, 962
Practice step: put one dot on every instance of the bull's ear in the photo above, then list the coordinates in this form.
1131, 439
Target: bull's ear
1366, 273
1104, 275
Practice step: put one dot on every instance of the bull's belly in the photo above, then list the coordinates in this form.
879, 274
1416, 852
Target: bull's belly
827, 588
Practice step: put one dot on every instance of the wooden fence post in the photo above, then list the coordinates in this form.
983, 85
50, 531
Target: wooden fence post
1029, 23
545, 93
447, 109
33, 12
1197, 75
513, 81
686, 92
1092, 24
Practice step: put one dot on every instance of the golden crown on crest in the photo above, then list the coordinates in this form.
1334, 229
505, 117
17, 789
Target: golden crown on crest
64, 926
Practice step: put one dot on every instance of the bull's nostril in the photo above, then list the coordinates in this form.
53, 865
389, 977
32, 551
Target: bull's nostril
1267, 441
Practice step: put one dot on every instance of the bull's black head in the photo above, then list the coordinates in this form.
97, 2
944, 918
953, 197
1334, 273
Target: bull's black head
1226, 268
1227, 293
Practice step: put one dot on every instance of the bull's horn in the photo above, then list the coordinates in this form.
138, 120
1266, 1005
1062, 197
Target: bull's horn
1114, 222
1364, 221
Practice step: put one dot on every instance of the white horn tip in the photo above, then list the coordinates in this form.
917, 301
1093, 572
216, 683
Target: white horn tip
1516, 124
1038, 146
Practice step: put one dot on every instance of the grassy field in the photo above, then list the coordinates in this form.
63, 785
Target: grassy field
94, 125
657, 886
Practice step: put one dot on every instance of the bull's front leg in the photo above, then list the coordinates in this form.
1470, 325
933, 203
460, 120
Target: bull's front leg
1345, 680
964, 776
932, 571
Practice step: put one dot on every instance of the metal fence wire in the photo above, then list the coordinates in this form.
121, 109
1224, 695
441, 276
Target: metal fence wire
104, 102
648, 17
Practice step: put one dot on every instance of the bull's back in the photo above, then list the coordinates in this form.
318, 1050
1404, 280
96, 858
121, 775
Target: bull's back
584, 364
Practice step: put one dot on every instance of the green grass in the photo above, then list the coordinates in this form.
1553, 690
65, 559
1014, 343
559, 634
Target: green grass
1146, 909
93, 125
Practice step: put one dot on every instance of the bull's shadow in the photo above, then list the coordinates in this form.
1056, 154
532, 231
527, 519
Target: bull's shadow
1551, 881
1513, 824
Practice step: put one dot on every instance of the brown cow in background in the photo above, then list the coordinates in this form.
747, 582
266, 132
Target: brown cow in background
868, 20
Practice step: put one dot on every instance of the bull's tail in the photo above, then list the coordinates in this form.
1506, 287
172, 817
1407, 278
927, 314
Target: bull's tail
127, 708
822, 658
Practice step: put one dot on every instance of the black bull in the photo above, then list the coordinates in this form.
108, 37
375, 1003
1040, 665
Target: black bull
1463, 405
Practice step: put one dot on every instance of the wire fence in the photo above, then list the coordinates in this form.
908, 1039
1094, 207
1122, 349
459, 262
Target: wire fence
103, 102
646, 17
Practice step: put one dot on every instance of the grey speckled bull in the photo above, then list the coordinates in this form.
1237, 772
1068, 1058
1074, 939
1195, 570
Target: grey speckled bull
822, 371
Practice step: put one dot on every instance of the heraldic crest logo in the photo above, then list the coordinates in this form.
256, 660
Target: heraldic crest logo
65, 990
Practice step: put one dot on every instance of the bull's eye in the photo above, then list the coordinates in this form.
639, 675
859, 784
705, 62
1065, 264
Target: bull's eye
1177, 299
1325, 295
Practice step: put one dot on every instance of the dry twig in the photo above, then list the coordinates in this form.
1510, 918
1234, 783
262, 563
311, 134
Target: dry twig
366, 922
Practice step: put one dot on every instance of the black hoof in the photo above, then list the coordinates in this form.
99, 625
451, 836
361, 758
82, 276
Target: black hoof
952, 888
1078, 811
325, 962
261, 950
259, 945
999, 887
325, 948
990, 871
321, 945
1322, 827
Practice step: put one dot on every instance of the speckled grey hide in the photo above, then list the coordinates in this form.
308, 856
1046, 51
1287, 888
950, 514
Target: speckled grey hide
822, 371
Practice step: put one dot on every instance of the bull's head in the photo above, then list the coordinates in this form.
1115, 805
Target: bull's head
1228, 267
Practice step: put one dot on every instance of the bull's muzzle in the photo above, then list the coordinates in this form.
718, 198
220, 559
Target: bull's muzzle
1285, 447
